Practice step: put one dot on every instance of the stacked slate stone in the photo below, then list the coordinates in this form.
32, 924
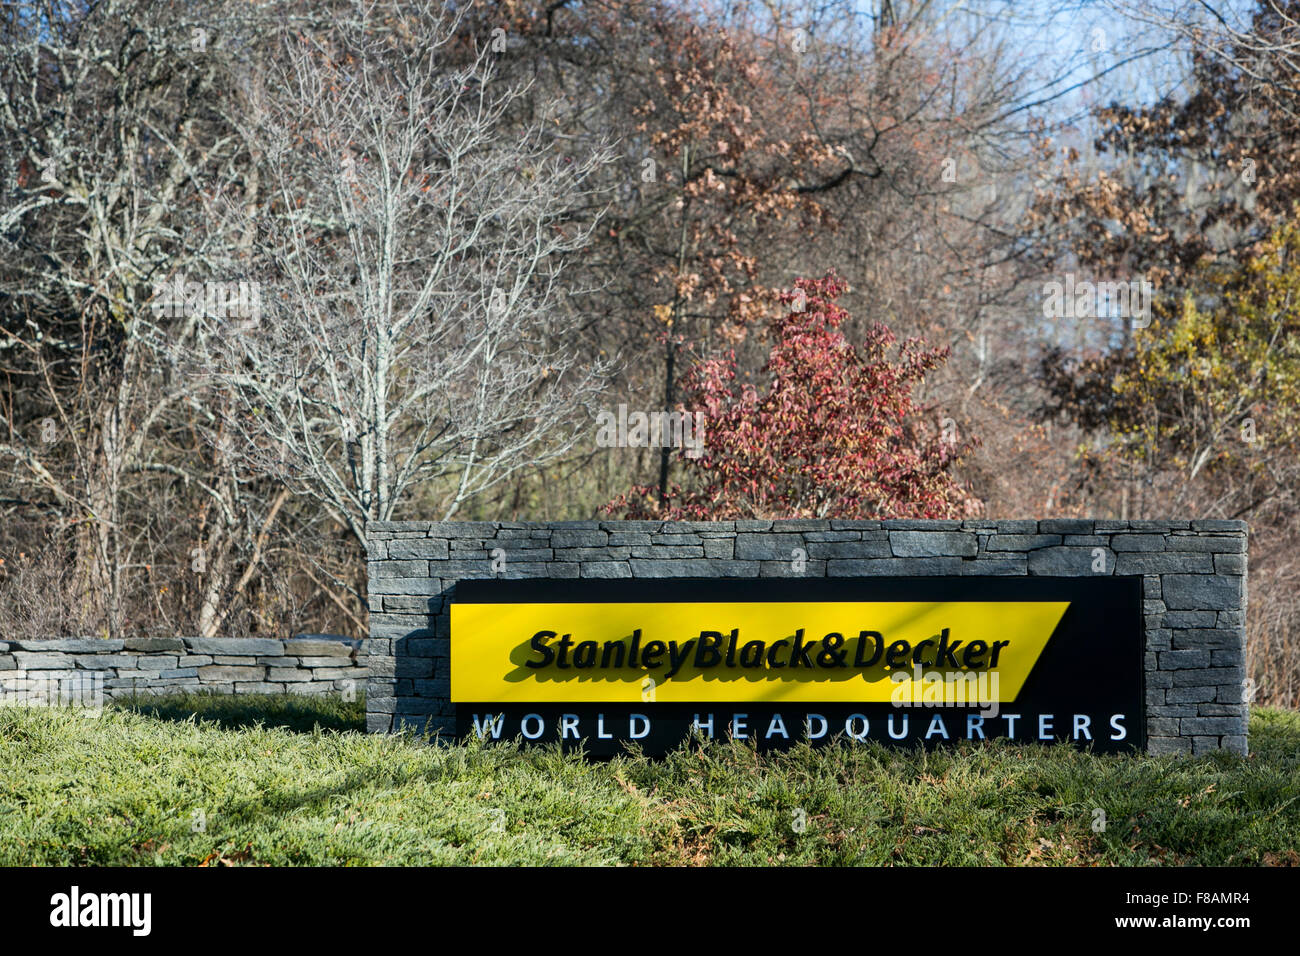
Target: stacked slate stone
1193, 573
307, 664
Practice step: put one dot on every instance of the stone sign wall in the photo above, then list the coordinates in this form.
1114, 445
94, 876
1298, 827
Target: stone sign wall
1193, 578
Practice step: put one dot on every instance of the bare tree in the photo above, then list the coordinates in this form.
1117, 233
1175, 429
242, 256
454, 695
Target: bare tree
409, 257
110, 120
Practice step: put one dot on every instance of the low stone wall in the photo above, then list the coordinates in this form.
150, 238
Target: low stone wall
307, 664
1193, 576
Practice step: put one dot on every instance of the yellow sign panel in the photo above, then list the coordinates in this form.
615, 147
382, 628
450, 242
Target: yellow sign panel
842, 651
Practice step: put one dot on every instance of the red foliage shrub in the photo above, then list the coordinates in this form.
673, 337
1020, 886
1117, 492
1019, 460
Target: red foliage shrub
836, 434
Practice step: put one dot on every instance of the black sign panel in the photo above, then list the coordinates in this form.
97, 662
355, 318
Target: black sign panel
1085, 686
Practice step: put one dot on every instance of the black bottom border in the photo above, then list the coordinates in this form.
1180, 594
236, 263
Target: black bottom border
278, 906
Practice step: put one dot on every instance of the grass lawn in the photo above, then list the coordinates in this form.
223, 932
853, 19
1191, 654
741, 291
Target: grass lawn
283, 781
